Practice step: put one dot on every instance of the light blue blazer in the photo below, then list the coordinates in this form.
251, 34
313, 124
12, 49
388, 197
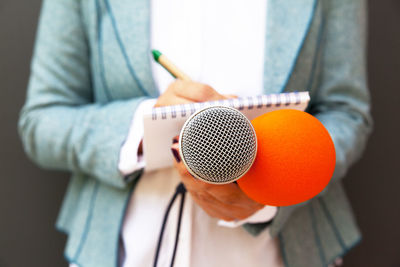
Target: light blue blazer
91, 69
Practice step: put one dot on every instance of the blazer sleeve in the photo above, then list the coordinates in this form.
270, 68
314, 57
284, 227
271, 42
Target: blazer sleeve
341, 100
60, 126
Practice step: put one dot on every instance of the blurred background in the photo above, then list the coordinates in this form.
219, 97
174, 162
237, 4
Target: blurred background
30, 197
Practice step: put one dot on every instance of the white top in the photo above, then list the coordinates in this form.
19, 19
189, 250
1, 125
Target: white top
201, 242
220, 43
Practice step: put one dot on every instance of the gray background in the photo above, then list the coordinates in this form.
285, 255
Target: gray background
30, 197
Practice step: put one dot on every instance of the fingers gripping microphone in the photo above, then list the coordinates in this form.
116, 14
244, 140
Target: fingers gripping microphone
218, 145
293, 153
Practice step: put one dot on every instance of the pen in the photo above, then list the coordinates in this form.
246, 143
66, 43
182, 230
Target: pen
169, 66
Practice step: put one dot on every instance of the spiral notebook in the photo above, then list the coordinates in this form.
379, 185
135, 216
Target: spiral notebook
164, 123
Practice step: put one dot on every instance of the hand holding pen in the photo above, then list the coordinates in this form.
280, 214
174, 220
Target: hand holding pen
183, 90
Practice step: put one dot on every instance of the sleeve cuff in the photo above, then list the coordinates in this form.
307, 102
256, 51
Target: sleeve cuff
129, 161
263, 215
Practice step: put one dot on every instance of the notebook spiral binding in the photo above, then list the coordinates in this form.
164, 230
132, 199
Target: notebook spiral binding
271, 100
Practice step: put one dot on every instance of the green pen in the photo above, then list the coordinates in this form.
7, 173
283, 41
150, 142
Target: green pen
169, 66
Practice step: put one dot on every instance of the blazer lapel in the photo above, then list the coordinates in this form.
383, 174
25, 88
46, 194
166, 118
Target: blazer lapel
132, 23
288, 22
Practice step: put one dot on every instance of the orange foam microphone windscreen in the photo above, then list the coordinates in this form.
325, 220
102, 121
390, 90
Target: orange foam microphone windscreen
295, 159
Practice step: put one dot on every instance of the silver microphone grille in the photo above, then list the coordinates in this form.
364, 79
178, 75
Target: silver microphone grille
218, 144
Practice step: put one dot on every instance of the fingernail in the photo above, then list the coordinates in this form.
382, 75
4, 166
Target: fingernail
175, 140
176, 155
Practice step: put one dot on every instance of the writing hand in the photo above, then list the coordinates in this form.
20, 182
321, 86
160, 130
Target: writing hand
184, 92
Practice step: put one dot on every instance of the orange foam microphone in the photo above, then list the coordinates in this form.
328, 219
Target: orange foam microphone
295, 159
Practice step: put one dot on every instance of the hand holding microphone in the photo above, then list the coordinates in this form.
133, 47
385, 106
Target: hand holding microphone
226, 201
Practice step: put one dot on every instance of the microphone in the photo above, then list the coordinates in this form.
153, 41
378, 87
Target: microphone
282, 157
218, 144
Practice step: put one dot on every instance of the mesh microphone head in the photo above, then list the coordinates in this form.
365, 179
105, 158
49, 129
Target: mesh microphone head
218, 144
